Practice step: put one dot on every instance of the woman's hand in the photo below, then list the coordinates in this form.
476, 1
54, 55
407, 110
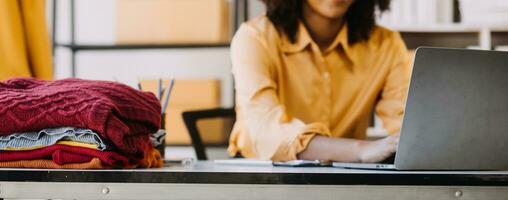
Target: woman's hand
378, 150
349, 150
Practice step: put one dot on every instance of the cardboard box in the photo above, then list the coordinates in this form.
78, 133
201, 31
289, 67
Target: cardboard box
191, 95
173, 22
212, 130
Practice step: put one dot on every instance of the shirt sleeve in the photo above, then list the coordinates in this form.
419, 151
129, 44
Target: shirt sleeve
276, 135
390, 107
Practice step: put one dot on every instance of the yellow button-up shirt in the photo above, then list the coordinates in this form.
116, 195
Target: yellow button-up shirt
289, 92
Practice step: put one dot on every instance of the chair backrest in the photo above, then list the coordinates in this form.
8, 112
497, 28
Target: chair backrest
191, 118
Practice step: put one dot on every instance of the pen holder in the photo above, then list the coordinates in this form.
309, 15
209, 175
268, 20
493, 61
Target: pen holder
158, 141
158, 138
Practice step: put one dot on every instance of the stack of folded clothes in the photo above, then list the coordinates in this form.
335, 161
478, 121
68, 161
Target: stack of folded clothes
75, 123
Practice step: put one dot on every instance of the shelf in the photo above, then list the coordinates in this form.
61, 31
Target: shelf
81, 47
446, 28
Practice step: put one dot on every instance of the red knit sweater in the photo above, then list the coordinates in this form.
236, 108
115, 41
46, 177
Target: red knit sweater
120, 114
63, 154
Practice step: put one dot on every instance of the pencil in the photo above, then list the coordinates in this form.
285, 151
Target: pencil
159, 89
139, 84
166, 97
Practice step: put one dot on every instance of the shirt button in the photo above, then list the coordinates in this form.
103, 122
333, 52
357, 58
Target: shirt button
326, 76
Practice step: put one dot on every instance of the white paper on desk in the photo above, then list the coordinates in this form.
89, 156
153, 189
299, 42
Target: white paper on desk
244, 162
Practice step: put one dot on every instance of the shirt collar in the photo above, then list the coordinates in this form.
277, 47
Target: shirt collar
303, 39
341, 39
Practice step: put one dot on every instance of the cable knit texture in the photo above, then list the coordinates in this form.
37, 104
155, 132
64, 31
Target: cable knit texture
121, 115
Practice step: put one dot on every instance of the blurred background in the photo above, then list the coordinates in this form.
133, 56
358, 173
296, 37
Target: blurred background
132, 41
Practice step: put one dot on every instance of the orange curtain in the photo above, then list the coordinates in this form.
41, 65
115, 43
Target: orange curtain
25, 49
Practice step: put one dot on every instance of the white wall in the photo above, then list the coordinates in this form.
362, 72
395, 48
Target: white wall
256, 8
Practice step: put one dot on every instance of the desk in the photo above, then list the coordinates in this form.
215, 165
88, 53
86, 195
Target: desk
206, 180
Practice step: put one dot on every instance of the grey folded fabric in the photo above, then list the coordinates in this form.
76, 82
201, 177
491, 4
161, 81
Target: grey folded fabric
47, 137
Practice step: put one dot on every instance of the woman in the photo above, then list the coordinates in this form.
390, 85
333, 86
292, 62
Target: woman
308, 74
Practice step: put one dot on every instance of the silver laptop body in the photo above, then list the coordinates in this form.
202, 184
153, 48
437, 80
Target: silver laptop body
456, 114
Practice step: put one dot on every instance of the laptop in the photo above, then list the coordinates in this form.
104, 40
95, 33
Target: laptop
456, 114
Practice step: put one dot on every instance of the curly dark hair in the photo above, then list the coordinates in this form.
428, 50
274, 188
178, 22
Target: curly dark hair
360, 17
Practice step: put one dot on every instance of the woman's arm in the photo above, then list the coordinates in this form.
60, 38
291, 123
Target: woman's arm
349, 150
390, 107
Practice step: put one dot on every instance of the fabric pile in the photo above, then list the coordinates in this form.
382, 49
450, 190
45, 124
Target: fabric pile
77, 124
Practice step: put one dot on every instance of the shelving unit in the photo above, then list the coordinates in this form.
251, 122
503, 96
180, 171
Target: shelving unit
443, 35
446, 23
138, 46
240, 15
452, 35
446, 28
455, 35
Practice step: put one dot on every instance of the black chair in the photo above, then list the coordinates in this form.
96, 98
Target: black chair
190, 119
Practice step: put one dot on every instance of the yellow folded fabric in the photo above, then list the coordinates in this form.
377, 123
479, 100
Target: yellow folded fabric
25, 49
79, 144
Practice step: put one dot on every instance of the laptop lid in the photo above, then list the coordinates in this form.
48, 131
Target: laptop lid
456, 114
